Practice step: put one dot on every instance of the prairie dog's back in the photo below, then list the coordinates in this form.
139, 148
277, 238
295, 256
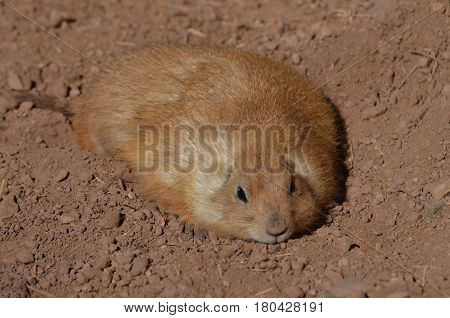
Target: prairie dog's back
173, 86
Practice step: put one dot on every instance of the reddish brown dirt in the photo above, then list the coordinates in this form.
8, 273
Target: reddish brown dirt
69, 227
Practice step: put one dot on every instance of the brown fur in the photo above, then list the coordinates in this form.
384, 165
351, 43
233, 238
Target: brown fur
206, 86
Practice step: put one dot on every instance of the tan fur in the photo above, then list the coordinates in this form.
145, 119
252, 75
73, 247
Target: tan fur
206, 86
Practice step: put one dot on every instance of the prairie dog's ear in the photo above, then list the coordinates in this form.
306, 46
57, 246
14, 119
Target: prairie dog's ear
298, 164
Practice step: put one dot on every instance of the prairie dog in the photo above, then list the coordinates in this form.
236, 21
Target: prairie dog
130, 109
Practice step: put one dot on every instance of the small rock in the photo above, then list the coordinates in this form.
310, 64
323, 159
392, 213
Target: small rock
294, 292
345, 243
333, 276
6, 104
140, 265
8, 207
350, 288
268, 265
432, 206
61, 175
373, 112
57, 18
324, 33
139, 215
158, 230
343, 262
424, 61
299, 264
24, 256
296, 59
322, 232
398, 294
102, 262
446, 90
160, 241
25, 107
90, 273
85, 176
57, 87
441, 190
66, 218
125, 257
14, 81
228, 251
111, 220
271, 45
354, 192
438, 7
74, 92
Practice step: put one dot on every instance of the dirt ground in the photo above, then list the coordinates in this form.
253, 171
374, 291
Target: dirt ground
72, 224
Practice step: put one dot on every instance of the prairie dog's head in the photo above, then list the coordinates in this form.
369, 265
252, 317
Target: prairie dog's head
255, 204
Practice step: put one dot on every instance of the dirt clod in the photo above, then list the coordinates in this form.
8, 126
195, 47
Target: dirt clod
61, 175
140, 265
8, 207
350, 289
432, 206
14, 81
24, 256
111, 220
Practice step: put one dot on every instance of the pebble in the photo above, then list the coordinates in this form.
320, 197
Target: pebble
14, 81
441, 190
345, 243
267, 265
299, 264
158, 230
424, 61
8, 207
228, 251
139, 215
446, 90
90, 273
373, 112
160, 241
354, 193
102, 262
110, 220
74, 92
296, 59
125, 257
140, 265
398, 294
66, 218
6, 104
432, 206
57, 88
56, 18
333, 276
25, 107
343, 262
85, 176
24, 256
294, 292
349, 289
61, 175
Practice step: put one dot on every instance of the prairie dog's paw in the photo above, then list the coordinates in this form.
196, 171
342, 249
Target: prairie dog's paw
192, 232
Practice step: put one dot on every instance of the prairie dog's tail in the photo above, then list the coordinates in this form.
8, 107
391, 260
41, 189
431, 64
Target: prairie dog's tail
46, 102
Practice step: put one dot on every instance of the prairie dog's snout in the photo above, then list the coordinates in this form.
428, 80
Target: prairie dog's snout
201, 87
275, 224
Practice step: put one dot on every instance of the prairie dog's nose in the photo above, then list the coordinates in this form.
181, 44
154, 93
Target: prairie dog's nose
275, 224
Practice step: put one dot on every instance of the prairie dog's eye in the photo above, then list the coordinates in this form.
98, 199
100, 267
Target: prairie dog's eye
292, 187
241, 194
